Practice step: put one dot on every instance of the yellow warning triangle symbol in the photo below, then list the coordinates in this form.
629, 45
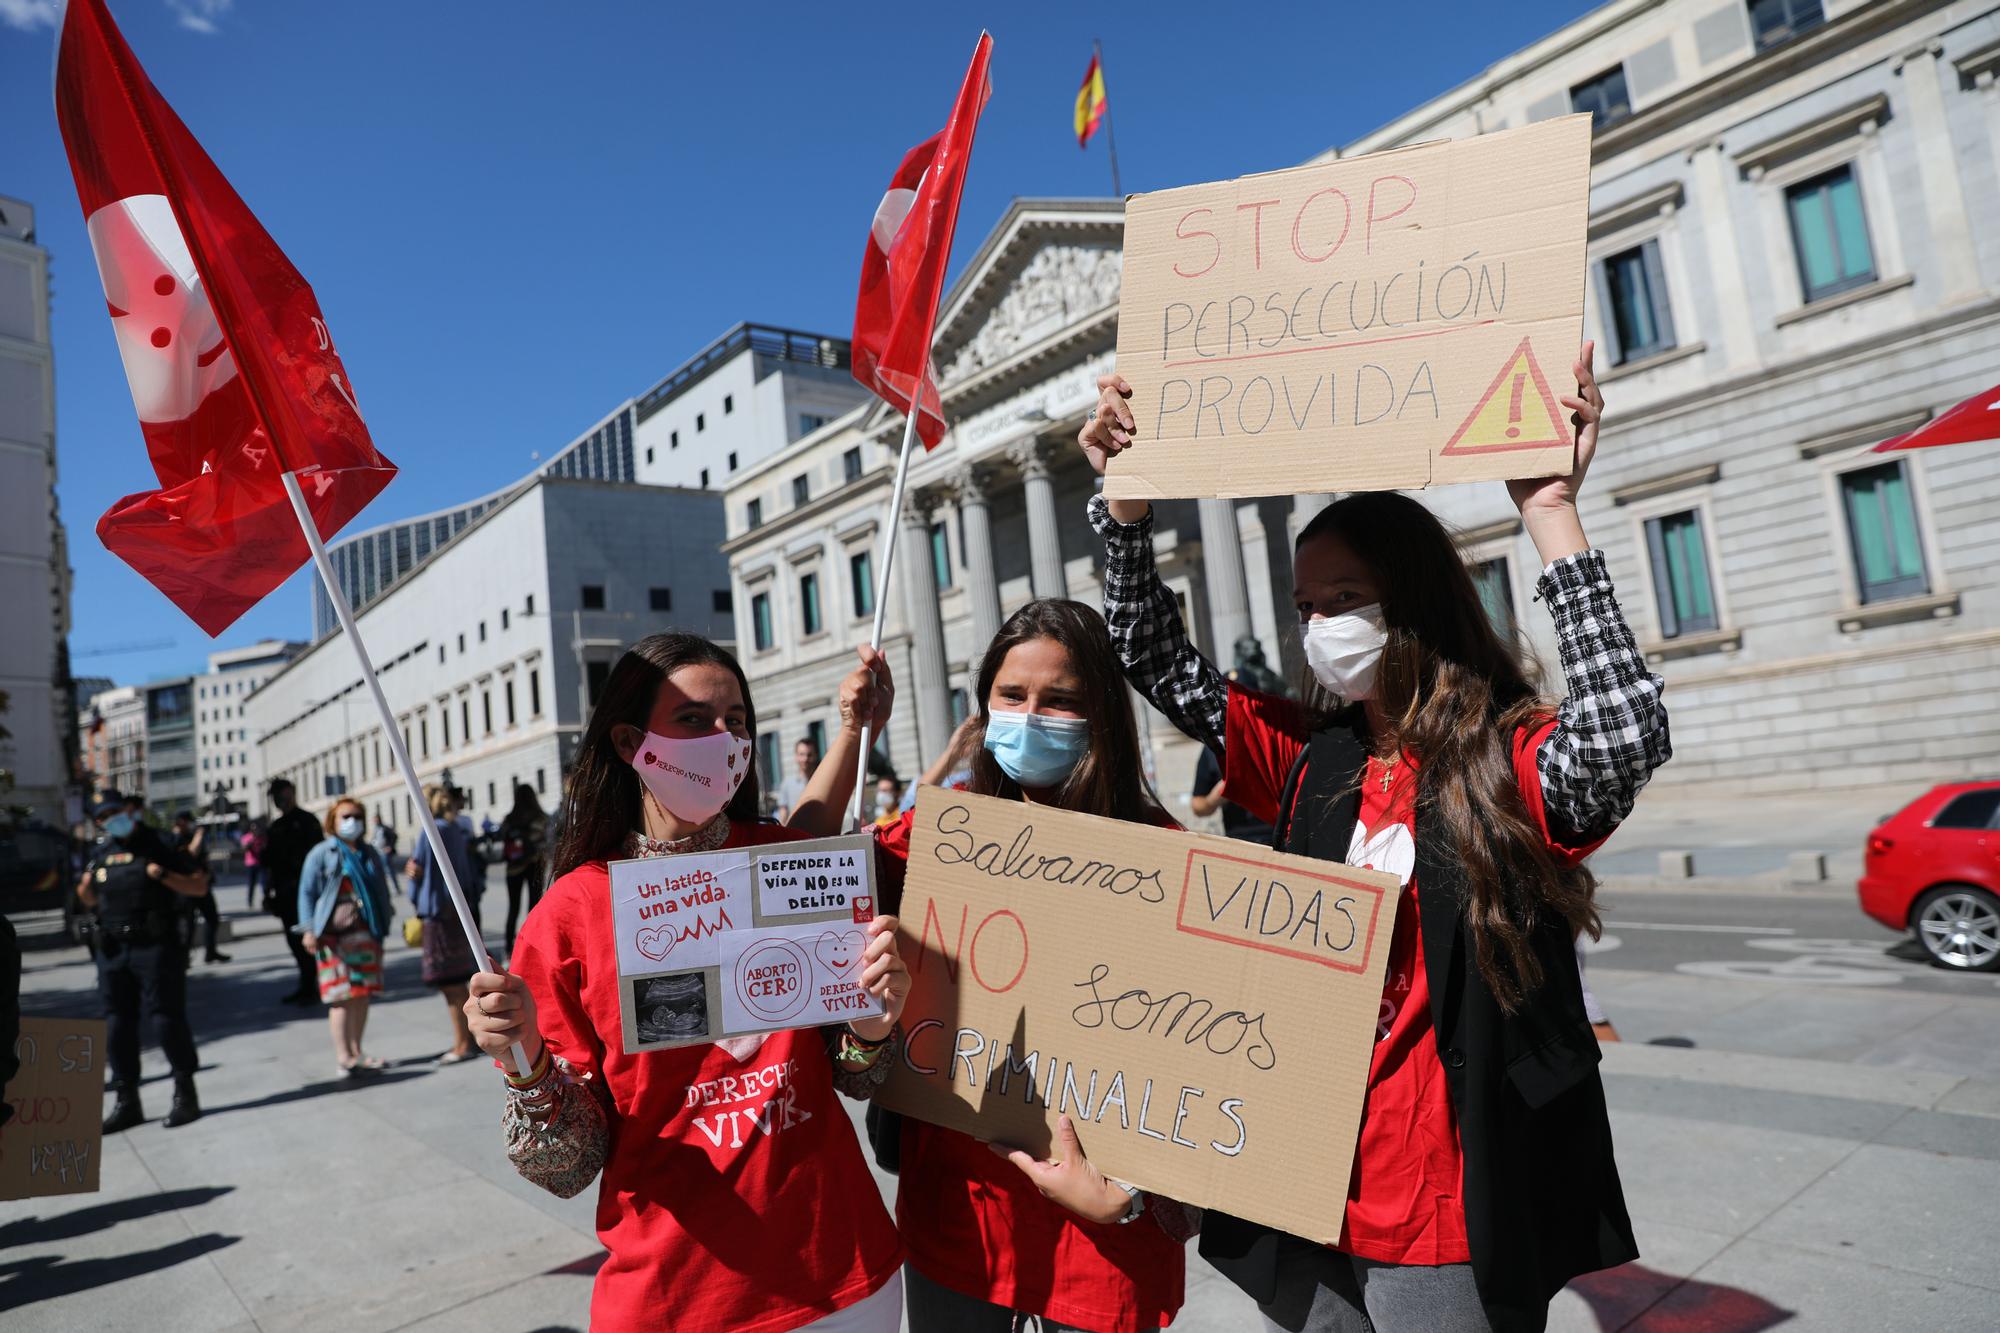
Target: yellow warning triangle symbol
1517, 411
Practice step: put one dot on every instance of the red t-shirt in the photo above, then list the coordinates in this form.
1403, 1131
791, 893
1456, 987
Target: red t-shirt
1405, 1200
974, 1223
735, 1195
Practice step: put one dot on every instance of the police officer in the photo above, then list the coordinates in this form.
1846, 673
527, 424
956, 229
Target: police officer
131, 884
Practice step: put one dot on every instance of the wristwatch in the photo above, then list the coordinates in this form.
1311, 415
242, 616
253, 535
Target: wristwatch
1134, 1208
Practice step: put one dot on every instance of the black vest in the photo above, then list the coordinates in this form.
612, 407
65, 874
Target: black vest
1542, 1199
129, 901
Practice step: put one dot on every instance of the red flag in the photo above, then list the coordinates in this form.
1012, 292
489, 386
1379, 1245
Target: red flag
232, 371
902, 268
1974, 420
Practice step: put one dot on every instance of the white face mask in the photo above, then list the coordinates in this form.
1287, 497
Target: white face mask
693, 779
1343, 651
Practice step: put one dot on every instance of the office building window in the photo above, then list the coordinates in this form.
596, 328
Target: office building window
660, 599
720, 603
508, 689
1635, 287
753, 513
593, 596
811, 421
767, 760
850, 464
486, 710
461, 643
1776, 21
424, 734
941, 554
861, 582
816, 733
1496, 594
440, 652
801, 489
482, 631
492, 796
594, 676
535, 693
704, 478
1681, 588
732, 462
1882, 532
528, 605
958, 706
503, 618
1830, 234
760, 621
444, 721
809, 602
542, 780
649, 457
700, 422
728, 404
464, 723
674, 440
1604, 97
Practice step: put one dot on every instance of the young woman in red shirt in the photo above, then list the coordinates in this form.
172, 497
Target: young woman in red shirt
1483, 1177
735, 1195
995, 1235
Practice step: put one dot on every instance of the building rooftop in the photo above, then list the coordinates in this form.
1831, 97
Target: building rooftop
814, 349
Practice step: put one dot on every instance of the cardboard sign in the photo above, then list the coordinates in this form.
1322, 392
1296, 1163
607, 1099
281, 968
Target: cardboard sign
50, 1145
743, 941
1202, 1009
1389, 321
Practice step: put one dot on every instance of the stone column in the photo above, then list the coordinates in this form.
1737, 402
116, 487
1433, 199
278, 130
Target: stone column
1305, 508
1045, 561
982, 586
1711, 191
1937, 168
931, 688
1222, 572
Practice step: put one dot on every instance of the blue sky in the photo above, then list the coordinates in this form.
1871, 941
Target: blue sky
517, 215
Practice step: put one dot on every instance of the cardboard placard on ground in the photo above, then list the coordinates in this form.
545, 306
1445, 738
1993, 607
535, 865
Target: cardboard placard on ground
50, 1145
742, 941
1203, 1009
1395, 320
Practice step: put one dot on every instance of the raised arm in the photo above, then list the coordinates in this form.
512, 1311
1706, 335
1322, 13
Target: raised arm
1611, 727
866, 697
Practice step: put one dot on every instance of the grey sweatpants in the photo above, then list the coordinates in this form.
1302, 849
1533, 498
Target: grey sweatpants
1324, 1291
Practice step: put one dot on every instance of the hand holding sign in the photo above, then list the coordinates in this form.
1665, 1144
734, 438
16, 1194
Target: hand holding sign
884, 976
1069, 1178
1548, 504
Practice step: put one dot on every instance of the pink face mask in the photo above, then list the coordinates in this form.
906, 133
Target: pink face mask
693, 779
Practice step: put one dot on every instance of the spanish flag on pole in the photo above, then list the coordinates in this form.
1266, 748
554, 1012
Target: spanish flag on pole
1090, 102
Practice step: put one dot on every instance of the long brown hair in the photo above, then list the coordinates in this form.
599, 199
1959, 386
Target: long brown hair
1457, 694
605, 798
1109, 780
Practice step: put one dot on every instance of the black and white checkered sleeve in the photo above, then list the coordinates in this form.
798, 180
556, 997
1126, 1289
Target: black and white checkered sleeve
1611, 727
1147, 631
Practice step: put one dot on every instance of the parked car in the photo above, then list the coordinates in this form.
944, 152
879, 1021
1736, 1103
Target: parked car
34, 868
1933, 868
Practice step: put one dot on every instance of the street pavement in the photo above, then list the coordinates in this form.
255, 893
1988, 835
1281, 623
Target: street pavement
1807, 1118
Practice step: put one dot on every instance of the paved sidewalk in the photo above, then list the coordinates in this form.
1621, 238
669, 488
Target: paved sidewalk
1853, 1191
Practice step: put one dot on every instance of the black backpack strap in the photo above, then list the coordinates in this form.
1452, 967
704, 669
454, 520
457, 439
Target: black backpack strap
1288, 797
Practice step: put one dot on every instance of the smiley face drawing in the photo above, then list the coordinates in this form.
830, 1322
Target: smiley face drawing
173, 348
837, 953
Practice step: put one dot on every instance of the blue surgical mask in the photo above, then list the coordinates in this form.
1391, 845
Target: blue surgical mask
120, 826
349, 829
1037, 750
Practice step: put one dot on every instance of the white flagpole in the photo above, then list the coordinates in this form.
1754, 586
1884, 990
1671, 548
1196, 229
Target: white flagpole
395, 734
888, 563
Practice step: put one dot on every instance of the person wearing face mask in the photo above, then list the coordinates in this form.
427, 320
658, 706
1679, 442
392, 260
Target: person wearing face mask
734, 1192
996, 1237
1483, 1178
344, 911
888, 800
132, 884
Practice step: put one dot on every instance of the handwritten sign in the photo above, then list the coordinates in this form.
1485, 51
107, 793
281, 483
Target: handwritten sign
50, 1145
737, 942
1395, 320
1203, 1010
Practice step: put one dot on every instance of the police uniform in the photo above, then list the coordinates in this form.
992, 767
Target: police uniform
140, 961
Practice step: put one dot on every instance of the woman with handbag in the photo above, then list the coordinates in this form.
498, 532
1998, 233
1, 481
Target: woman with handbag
448, 957
345, 911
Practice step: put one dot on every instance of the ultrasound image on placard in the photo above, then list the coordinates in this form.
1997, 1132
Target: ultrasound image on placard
671, 1008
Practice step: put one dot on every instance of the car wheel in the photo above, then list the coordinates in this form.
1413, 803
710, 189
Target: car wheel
1959, 926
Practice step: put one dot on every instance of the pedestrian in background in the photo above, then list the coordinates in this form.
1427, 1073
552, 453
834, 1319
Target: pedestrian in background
385, 840
192, 838
292, 835
448, 957
252, 843
1483, 1176
131, 885
344, 914
953, 766
523, 835
1211, 794
805, 761
888, 800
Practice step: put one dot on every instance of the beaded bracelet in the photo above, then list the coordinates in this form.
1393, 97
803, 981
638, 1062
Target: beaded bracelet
527, 1082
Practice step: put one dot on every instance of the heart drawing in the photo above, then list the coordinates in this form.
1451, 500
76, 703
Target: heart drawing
838, 953
656, 942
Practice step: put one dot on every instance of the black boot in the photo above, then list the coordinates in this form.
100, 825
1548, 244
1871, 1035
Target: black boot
125, 1112
187, 1107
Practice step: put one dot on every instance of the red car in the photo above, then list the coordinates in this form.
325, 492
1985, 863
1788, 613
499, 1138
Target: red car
1933, 868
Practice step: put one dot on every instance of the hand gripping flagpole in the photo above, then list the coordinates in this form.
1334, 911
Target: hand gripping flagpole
395, 735
888, 563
